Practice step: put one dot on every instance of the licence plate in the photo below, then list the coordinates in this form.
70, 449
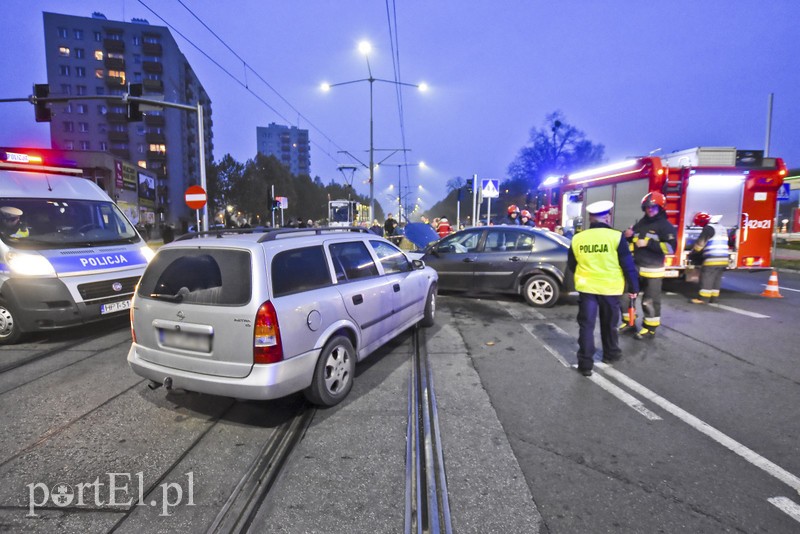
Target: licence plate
112, 307
185, 340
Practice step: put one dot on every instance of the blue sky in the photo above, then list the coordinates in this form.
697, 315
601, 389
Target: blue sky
634, 76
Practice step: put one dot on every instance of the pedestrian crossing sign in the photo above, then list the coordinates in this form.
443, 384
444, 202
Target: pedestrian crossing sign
490, 188
783, 192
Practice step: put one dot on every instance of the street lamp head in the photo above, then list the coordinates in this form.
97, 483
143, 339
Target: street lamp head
325, 86
423, 86
422, 164
364, 47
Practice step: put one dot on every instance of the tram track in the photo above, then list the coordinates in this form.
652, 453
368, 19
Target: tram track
427, 506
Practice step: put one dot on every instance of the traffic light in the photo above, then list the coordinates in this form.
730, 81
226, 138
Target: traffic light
276, 205
134, 114
43, 113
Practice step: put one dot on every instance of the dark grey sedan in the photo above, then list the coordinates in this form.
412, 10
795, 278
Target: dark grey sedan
503, 259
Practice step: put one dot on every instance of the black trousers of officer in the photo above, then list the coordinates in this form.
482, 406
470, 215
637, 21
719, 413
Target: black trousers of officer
589, 306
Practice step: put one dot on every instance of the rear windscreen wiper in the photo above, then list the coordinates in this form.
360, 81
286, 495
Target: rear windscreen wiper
178, 297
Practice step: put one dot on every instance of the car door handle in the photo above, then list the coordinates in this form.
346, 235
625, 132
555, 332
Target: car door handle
358, 299
468, 260
396, 288
514, 258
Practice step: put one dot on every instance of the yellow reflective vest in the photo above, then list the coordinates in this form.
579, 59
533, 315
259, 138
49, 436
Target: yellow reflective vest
598, 270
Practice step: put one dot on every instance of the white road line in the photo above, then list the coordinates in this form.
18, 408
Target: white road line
518, 316
739, 311
622, 395
784, 288
787, 506
699, 425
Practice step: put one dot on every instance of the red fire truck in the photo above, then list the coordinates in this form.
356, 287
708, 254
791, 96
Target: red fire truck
739, 185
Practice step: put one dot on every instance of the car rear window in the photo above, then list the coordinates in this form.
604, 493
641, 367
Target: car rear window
213, 277
300, 269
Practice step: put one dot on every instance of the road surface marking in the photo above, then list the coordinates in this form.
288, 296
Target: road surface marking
740, 311
784, 288
699, 425
787, 506
513, 313
621, 394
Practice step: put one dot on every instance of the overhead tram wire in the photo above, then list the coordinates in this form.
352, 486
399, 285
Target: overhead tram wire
242, 84
394, 42
265, 82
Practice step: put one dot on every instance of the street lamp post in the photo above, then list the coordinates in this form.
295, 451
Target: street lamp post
421, 164
365, 48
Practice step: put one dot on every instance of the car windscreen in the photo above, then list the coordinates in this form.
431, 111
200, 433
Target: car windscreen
213, 277
66, 223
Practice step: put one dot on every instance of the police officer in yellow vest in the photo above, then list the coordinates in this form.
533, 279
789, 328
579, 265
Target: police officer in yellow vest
10, 223
602, 262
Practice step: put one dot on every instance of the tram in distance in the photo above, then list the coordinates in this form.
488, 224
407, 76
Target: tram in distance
741, 186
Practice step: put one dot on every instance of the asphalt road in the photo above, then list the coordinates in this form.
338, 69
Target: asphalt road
696, 431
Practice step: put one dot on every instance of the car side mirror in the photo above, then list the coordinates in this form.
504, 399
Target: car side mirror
418, 264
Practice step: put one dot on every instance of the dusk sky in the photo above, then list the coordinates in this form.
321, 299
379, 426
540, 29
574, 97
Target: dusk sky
634, 76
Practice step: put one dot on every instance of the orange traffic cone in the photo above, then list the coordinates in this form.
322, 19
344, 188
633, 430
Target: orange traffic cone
772, 287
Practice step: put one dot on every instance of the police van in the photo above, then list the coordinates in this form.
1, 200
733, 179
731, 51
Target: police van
68, 255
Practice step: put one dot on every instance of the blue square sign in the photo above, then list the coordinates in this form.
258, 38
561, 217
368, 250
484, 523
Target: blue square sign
783, 192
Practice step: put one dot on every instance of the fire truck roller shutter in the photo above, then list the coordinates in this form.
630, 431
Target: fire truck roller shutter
627, 206
596, 194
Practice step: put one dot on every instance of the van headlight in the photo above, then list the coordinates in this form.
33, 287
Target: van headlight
148, 253
29, 264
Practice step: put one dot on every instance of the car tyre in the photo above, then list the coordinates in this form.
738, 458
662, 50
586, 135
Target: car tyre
333, 375
9, 325
541, 291
429, 319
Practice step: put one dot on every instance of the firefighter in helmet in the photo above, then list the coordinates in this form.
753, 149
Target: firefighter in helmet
710, 251
651, 238
526, 219
513, 216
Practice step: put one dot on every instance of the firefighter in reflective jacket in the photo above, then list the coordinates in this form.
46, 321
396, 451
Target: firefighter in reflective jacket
651, 238
602, 264
711, 252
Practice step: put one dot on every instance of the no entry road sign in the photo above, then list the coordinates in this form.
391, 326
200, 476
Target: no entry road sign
196, 197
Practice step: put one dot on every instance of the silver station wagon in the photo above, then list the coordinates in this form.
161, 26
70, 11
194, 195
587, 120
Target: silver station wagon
262, 316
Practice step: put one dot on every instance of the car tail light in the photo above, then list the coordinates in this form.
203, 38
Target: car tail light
267, 346
133, 331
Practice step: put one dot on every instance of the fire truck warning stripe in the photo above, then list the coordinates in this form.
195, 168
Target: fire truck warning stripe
751, 456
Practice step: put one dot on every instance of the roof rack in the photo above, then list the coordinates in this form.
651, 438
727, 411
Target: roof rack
274, 234
220, 231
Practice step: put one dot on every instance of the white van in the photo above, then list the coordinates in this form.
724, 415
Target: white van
68, 255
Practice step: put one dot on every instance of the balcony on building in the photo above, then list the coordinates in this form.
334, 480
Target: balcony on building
121, 152
114, 63
152, 67
153, 86
152, 49
118, 137
155, 138
114, 45
154, 120
156, 156
115, 81
116, 117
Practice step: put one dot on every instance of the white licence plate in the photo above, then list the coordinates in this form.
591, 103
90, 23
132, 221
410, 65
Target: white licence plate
185, 340
112, 307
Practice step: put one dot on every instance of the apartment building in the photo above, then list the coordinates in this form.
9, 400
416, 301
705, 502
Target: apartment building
288, 144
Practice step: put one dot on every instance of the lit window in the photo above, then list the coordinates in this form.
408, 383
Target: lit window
63, 51
99, 73
142, 163
160, 148
120, 74
98, 55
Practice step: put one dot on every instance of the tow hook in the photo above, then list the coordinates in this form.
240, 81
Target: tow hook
168, 383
